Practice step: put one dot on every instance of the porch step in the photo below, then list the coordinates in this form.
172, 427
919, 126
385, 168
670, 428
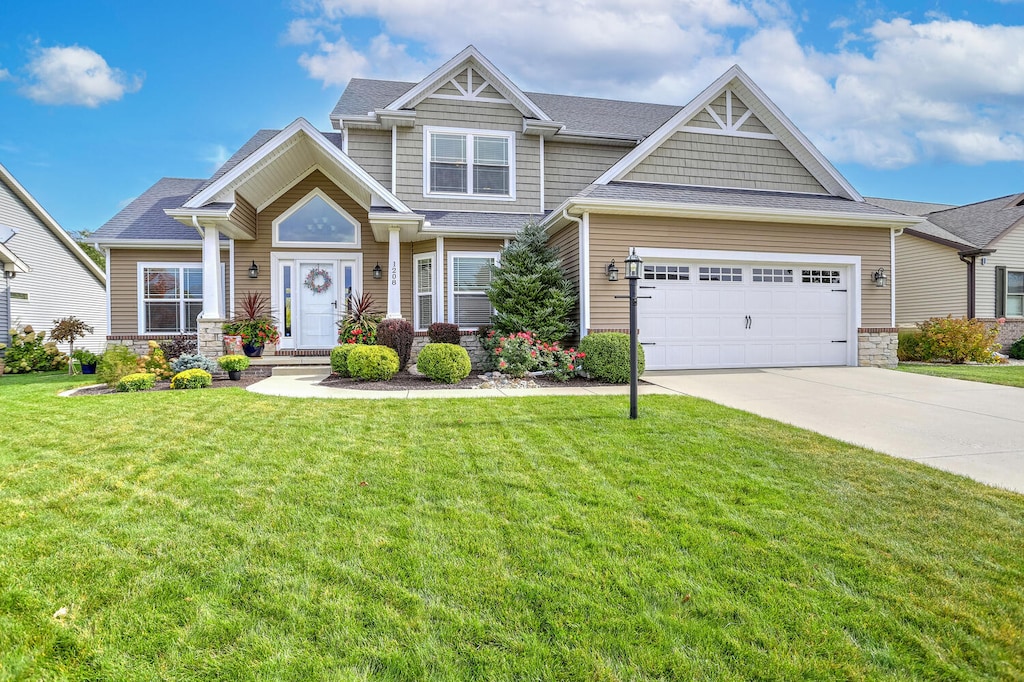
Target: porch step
278, 360
299, 370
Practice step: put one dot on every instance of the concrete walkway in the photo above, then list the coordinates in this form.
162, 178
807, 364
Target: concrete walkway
966, 427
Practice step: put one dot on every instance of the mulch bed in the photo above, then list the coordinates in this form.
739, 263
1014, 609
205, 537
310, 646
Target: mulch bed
407, 381
218, 382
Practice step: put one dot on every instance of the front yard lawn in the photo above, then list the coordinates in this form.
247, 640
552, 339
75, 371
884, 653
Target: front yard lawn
1007, 375
221, 534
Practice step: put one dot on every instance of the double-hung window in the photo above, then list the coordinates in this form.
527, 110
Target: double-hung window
470, 275
423, 306
477, 164
170, 297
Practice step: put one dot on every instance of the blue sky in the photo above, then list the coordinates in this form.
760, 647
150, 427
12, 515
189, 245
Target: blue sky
915, 100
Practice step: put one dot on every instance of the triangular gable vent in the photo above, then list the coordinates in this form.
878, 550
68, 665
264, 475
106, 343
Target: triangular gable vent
728, 115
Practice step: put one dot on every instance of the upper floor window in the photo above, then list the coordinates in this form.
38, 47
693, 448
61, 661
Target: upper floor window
468, 163
316, 220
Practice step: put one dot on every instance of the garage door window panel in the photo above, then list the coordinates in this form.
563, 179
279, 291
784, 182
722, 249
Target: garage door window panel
675, 273
719, 273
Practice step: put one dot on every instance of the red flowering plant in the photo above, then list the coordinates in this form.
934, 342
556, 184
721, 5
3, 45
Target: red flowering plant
255, 322
522, 352
360, 322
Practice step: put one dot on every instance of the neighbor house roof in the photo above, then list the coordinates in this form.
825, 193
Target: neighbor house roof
918, 208
582, 115
144, 217
973, 226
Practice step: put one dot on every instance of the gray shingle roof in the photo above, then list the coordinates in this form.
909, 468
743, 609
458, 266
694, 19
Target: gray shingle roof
918, 208
144, 218
478, 220
981, 223
717, 196
579, 114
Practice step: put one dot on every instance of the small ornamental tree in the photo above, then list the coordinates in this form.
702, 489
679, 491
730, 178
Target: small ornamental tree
67, 329
529, 290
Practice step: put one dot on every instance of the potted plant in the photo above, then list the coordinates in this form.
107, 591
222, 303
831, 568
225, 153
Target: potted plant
254, 324
233, 365
87, 359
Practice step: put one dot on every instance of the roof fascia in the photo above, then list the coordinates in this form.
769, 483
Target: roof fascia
747, 213
52, 225
17, 265
421, 90
299, 125
708, 95
938, 240
197, 243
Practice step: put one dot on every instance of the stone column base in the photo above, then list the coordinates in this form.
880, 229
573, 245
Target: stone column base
467, 339
876, 346
211, 337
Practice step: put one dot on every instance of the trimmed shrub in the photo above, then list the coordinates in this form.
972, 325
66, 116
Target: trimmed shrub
372, 363
118, 361
958, 340
1017, 349
444, 362
192, 378
194, 362
606, 356
178, 346
233, 363
909, 348
444, 332
139, 381
397, 335
339, 358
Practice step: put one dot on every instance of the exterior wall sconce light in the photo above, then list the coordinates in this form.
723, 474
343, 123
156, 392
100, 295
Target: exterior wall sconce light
9, 274
254, 270
879, 277
612, 271
377, 272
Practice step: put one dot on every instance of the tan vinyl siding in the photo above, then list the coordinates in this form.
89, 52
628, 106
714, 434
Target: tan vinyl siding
124, 280
931, 281
611, 236
244, 214
474, 116
58, 285
569, 167
371, 149
567, 243
1009, 253
725, 161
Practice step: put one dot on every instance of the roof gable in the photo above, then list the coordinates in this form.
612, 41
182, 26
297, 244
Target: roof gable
735, 106
469, 76
47, 220
983, 223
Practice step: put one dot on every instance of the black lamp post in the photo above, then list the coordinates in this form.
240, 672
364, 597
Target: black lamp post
633, 264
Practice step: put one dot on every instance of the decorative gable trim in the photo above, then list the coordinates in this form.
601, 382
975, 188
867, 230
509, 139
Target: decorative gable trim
480, 68
731, 125
790, 136
470, 89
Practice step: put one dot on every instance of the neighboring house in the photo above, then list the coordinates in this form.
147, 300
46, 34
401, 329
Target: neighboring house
962, 261
47, 276
757, 252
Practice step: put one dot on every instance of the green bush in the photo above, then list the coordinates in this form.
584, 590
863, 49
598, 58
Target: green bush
139, 381
30, 352
233, 363
372, 363
958, 340
339, 358
117, 361
909, 348
194, 362
192, 378
444, 362
606, 356
1017, 349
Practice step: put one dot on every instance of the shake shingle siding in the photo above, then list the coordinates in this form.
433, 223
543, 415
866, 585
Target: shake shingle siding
569, 167
725, 161
371, 149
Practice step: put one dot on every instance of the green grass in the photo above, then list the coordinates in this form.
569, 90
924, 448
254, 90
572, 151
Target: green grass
221, 534
1007, 375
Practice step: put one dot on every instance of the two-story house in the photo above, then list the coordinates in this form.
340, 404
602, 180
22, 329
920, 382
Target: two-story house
757, 252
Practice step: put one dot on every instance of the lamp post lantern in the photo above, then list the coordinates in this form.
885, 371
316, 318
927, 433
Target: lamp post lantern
633, 263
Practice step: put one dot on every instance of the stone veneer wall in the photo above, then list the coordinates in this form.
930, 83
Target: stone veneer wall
1009, 331
467, 339
211, 338
139, 343
877, 346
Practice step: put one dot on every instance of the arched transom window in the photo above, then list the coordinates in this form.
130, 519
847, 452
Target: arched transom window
316, 220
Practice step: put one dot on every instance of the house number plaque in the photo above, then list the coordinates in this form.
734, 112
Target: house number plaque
394, 273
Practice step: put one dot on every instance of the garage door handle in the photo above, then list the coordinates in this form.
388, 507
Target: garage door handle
750, 322
842, 290
843, 341
648, 343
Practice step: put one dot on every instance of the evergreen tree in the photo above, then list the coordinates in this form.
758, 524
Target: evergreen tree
528, 289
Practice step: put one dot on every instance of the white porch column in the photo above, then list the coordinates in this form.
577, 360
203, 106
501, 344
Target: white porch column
394, 274
213, 301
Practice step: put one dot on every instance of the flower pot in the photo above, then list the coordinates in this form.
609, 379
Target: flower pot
232, 344
252, 351
88, 369
234, 374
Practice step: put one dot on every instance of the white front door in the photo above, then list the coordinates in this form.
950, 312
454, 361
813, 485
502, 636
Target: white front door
317, 304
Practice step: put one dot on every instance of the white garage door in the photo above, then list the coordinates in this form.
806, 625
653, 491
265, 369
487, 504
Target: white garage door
718, 314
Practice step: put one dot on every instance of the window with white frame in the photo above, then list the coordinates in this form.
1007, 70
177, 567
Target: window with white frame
423, 313
470, 276
470, 163
1014, 293
170, 297
316, 220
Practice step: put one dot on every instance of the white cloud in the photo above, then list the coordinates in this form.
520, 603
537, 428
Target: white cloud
5, 75
75, 75
217, 156
890, 94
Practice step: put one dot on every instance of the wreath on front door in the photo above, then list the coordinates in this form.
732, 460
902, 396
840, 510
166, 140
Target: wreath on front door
318, 280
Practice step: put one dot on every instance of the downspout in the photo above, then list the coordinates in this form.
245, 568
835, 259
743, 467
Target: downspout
584, 253
969, 260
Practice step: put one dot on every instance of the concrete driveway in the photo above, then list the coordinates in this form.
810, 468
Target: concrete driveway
966, 427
